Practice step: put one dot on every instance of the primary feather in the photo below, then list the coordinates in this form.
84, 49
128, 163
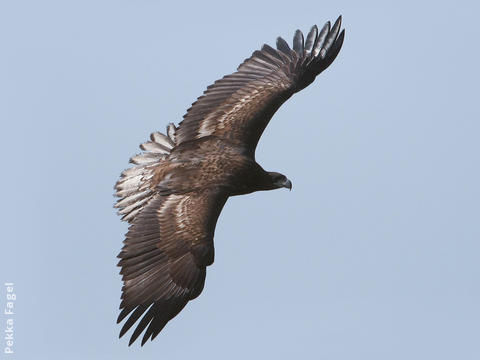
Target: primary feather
175, 191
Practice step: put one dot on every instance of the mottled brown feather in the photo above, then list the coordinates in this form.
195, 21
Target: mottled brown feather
175, 191
260, 86
168, 269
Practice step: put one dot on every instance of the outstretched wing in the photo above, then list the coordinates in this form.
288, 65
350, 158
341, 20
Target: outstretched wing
164, 259
239, 106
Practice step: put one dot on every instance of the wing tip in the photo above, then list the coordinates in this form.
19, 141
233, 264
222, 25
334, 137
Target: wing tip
298, 42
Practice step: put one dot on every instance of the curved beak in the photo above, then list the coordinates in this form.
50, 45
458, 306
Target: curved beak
288, 185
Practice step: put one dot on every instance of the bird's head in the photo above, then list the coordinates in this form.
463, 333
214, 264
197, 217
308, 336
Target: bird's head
279, 181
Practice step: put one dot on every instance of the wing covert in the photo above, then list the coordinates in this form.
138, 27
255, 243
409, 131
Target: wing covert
164, 258
239, 106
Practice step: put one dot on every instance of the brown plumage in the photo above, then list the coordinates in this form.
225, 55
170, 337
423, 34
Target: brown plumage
175, 191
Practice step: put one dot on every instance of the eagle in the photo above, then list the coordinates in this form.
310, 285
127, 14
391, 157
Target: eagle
175, 190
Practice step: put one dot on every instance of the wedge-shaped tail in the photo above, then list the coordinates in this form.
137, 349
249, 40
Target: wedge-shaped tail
169, 243
135, 188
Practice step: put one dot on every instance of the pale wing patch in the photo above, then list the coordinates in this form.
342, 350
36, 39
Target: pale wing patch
171, 199
181, 211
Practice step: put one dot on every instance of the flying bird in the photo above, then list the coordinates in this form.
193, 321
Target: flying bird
173, 194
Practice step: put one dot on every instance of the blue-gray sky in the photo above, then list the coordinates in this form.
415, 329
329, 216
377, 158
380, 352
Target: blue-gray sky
373, 255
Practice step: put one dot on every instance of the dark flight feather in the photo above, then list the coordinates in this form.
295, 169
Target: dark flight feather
311, 37
175, 190
298, 42
270, 76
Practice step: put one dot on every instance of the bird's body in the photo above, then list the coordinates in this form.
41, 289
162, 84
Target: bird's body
214, 164
174, 194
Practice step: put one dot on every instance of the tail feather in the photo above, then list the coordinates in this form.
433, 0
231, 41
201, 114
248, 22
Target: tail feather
134, 188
